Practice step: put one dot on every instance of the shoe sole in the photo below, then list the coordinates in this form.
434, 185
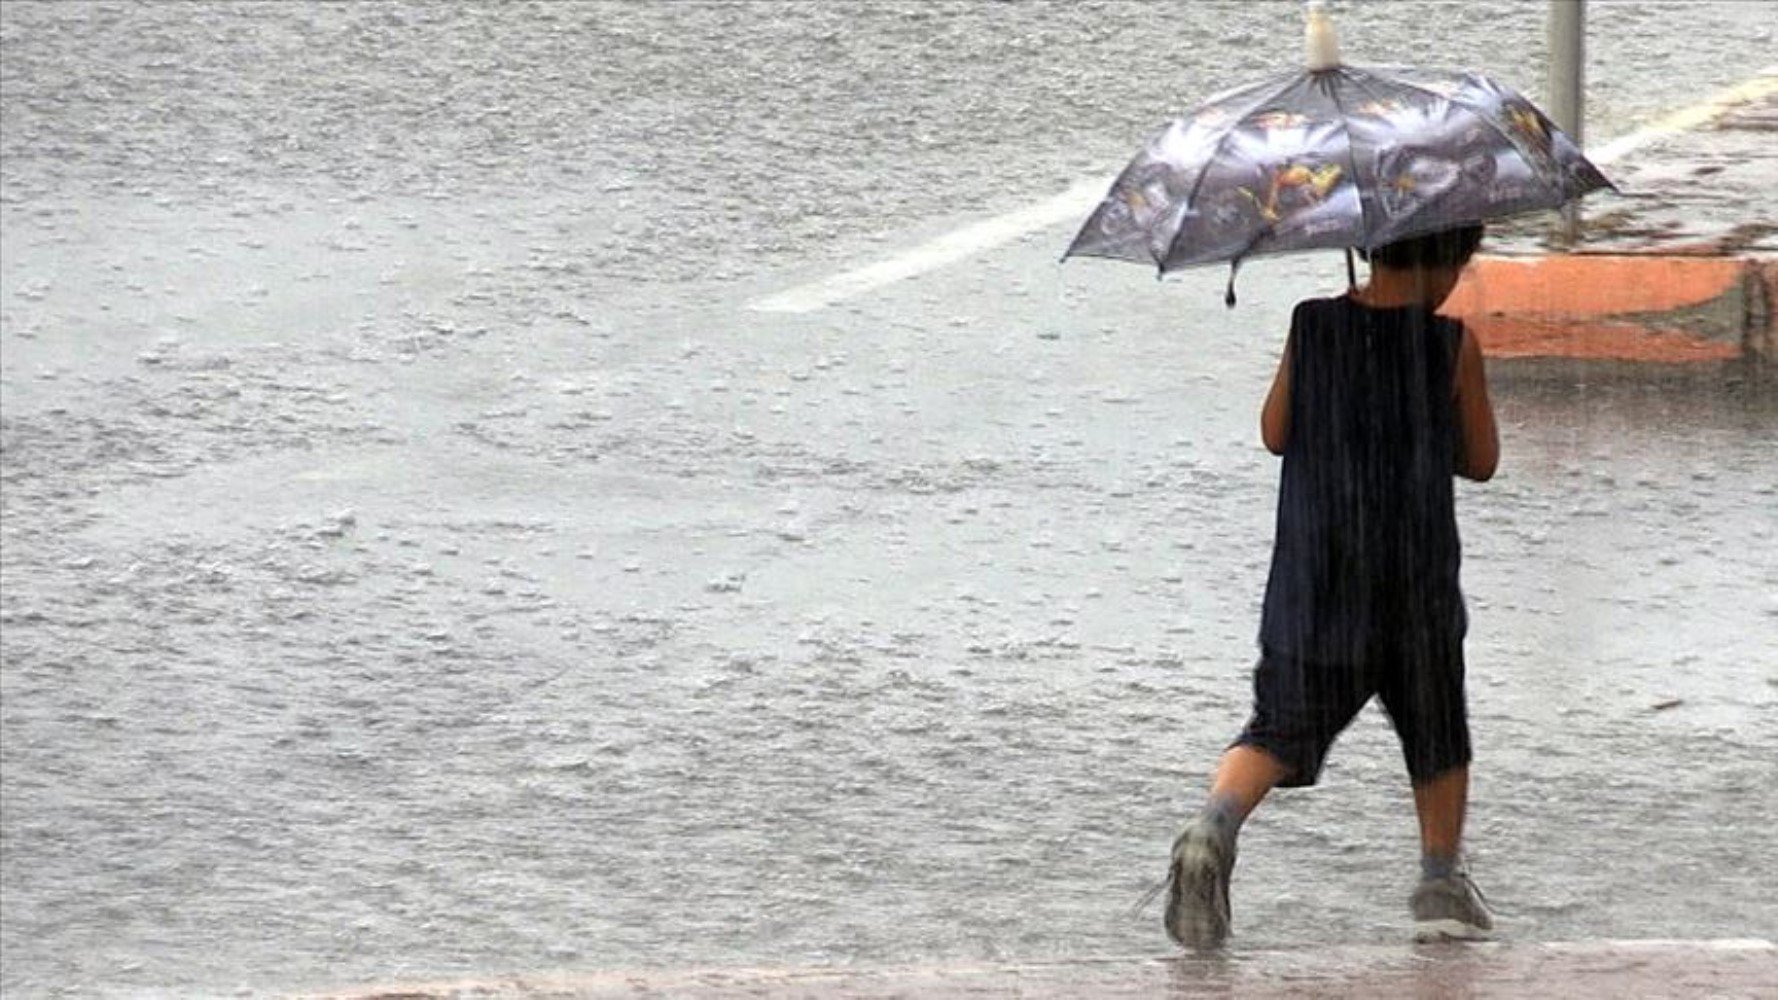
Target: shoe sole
1198, 900
1431, 931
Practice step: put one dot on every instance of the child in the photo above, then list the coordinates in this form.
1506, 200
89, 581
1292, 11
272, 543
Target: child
1376, 403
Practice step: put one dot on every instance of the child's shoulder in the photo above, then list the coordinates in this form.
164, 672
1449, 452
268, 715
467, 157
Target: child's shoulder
1317, 311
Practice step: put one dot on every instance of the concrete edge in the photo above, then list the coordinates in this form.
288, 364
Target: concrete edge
1631, 307
1572, 961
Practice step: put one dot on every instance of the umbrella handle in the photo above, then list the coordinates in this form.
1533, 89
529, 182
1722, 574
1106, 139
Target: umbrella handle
1351, 271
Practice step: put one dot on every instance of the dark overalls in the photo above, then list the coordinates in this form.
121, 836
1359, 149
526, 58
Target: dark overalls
1363, 596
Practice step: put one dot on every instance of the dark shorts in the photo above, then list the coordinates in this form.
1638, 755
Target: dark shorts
1299, 707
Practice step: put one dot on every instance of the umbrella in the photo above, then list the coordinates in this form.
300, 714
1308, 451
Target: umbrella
1333, 156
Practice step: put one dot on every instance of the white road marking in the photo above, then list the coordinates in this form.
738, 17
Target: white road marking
1702, 113
948, 249
1078, 200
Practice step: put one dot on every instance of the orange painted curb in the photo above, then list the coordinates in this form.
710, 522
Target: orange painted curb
1608, 307
1592, 284
1560, 337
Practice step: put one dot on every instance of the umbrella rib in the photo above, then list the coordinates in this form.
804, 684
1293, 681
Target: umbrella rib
1362, 79
1216, 151
1364, 222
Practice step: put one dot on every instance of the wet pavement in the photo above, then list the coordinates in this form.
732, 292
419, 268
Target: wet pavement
418, 563
1688, 190
1724, 970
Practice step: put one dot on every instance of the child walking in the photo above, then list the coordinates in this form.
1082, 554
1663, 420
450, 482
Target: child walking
1377, 402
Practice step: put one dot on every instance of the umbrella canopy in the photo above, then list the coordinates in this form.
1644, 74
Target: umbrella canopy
1334, 156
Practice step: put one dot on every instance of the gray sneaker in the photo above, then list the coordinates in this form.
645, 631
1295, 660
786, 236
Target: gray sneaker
1450, 908
1198, 887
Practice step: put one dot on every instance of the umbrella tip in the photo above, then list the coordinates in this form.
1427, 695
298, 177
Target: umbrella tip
1321, 44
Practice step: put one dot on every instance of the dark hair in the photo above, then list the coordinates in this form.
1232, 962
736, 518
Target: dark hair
1445, 248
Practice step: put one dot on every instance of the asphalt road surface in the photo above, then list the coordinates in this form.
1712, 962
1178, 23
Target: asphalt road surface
419, 561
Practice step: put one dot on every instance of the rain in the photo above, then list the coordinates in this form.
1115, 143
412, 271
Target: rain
425, 558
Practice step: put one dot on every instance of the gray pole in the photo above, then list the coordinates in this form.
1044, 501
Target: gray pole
1567, 85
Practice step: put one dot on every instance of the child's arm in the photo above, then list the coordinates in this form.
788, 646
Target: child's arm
1274, 420
1478, 440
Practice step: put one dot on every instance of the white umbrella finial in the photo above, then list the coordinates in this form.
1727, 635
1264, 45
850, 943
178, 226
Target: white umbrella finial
1321, 44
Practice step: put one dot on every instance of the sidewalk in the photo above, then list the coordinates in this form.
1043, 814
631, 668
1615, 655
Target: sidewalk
1606, 970
1680, 267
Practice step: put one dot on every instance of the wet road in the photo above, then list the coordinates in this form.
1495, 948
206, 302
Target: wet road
418, 563
1725, 970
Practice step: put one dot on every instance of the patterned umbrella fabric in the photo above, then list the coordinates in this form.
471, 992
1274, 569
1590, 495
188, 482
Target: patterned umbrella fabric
1337, 157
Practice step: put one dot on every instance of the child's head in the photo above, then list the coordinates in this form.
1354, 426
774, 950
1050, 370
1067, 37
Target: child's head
1433, 260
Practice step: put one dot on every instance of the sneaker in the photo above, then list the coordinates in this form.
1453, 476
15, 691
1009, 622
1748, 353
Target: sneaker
1450, 908
1198, 887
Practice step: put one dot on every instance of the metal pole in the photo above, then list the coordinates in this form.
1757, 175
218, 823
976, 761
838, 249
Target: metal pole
1567, 86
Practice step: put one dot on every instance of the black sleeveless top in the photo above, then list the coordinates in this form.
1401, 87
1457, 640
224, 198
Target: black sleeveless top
1366, 557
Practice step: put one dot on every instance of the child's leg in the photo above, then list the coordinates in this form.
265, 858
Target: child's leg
1243, 778
1298, 709
1423, 694
1425, 700
1446, 904
1441, 803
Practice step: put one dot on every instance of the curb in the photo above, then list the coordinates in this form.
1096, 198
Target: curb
1593, 970
1670, 309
